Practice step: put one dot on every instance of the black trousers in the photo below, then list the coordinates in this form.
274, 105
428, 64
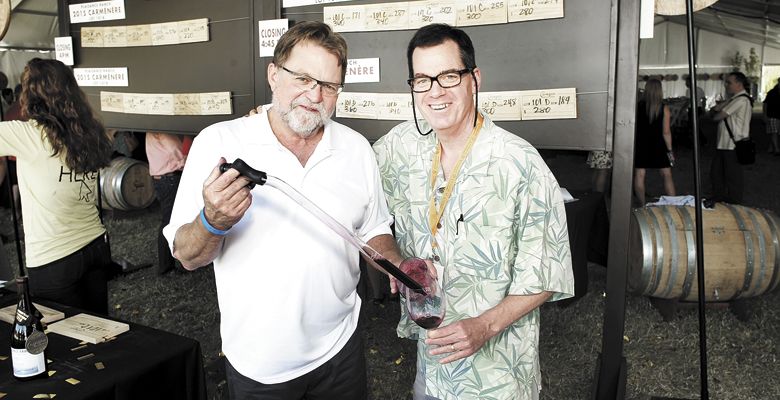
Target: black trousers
343, 377
165, 189
727, 177
78, 280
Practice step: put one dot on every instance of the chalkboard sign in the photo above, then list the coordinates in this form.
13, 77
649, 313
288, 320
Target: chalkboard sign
575, 51
226, 62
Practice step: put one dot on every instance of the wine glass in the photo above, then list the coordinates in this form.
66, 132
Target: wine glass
426, 310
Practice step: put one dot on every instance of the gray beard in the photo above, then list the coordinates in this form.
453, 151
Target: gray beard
303, 123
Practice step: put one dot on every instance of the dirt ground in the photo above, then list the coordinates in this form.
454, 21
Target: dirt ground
662, 357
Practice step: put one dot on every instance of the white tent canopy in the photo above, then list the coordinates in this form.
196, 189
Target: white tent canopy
30, 34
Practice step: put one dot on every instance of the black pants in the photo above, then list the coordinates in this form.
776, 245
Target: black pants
727, 177
343, 377
78, 280
165, 190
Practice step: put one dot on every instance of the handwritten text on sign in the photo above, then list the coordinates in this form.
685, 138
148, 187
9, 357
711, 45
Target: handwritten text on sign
422, 13
177, 32
481, 12
356, 105
527, 10
345, 18
213, 103
415, 14
501, 106
298, 3
393, 106
269, 32
549, 104
515, 105
387, 16
63, 47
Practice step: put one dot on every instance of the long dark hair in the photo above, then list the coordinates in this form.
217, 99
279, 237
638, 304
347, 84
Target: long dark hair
51, 97
654, 97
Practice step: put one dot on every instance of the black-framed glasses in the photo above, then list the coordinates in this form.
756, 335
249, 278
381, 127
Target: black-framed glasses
306, 83
446, 79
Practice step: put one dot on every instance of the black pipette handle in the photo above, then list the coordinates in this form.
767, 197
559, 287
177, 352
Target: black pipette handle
255, 176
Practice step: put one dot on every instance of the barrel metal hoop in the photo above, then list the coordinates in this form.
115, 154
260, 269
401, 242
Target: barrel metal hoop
772, 222
119, 177
691, 242
672, 229
762, 272
748, 249
659, 252
647, 250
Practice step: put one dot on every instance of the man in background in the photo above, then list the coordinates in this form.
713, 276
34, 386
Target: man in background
733, 117
166, 156
771, 112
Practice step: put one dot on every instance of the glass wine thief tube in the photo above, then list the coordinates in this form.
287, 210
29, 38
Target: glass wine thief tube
373, 257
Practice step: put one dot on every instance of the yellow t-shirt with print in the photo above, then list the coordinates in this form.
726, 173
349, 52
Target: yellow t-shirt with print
58, 205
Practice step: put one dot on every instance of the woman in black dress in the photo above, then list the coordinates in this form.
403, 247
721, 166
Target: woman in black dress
653, 140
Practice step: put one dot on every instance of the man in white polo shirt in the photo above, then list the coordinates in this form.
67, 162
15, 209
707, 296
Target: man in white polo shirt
286, 285
735, 113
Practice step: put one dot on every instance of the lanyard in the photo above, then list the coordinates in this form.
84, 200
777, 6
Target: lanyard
434, 214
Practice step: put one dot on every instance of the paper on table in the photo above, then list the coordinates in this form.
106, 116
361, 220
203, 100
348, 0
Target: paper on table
567, 197
50, 315
88, 328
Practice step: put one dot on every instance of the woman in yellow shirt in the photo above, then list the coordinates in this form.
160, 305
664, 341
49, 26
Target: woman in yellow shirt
59, 150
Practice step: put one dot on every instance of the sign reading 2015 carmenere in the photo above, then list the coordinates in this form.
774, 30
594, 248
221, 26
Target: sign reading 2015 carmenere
549, 104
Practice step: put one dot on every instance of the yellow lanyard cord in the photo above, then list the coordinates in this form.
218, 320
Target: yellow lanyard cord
434, 215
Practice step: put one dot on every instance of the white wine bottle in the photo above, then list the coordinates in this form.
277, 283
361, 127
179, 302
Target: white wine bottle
28, 340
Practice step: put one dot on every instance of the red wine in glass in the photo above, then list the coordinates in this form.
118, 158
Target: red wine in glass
426, 310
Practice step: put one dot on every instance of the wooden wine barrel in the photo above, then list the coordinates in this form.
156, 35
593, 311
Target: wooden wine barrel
741, 252
126, 184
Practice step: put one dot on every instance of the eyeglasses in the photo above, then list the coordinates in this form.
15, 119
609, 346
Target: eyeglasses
447, 79
306, 83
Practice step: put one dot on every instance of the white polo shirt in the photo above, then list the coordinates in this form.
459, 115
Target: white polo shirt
739, 114
286, 284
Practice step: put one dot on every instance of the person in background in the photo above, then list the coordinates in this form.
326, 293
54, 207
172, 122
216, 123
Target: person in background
482, 204
286, 285
166, 161
601, 164
8, 164
733, 114
59, 150
771, 112
701, 99
653, 140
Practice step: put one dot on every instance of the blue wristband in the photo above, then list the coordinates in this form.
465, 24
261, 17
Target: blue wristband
208, 226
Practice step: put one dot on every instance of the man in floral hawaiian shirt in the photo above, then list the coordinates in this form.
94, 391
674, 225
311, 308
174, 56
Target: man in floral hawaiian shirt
496, 234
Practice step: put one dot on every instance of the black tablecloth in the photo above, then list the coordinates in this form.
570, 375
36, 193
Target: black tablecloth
143, 363
588, 227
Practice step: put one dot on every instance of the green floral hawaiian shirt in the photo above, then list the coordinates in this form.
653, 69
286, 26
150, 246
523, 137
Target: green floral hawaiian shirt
504, 233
